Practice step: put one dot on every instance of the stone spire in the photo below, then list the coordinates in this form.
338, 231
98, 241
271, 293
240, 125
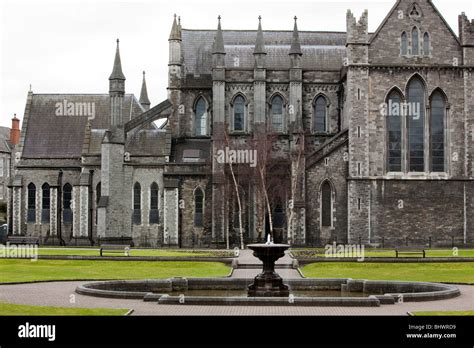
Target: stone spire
144, 101
218, 47
117, 73
259, 44
295, 41
175, 30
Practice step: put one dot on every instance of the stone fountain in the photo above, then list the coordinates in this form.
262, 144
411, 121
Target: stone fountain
268, 283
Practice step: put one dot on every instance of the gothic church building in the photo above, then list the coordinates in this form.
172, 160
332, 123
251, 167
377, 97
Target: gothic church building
372, 142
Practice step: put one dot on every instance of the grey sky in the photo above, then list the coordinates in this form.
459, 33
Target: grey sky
69, 46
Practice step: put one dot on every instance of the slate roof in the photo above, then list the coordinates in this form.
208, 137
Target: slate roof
51, 136
321, 50
5, 145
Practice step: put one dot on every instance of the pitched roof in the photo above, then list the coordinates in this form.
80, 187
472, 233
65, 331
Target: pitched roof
321, 50
5, 145
49, 135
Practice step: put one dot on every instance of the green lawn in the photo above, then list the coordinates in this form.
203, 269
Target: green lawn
319, 252
136, 252
21, 270
452, 313
15, 309
454, 272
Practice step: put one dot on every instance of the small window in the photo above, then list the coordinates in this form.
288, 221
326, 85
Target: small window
67, 197
201, 117
198, 207
326, 205
154, 215
404, 44
426, 44
415, 45
31, 215
394, 132
278, 216
45, 204
277, 113
438, 112
239, 114
320, 106
137, 196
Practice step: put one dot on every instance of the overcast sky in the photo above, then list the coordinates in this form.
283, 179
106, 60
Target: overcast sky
69, 46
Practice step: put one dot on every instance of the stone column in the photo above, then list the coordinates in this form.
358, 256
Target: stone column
53, 211
171, 215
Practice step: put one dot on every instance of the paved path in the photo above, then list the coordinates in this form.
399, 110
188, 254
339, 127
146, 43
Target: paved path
59, 294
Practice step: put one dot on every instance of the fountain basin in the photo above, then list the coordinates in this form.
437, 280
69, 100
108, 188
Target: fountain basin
268, 283
360, 293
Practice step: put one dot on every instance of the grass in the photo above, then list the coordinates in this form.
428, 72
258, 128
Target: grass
448, 313
136, 252
15, 309
319, 252
454, 272
21, 270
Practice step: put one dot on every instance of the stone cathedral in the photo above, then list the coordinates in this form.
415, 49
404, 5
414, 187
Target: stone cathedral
372, 142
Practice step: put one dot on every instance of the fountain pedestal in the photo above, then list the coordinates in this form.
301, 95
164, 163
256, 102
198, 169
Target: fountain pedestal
268, 283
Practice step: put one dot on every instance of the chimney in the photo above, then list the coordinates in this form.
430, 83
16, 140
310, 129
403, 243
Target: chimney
15, 131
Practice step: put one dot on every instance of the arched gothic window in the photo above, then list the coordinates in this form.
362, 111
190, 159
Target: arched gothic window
154, 215
46, 203
394, 132
437, 127
198, 207
137, 204
326, 204
426, 44
277, 113
404, 44
239, 113
416, 121
415, 45
31, 215
320, 110
67, 197
201, 117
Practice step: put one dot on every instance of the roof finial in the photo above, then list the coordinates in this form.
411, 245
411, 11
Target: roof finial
117, 73
259, 44
295, 41
175, 30
219, 40
144, 101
